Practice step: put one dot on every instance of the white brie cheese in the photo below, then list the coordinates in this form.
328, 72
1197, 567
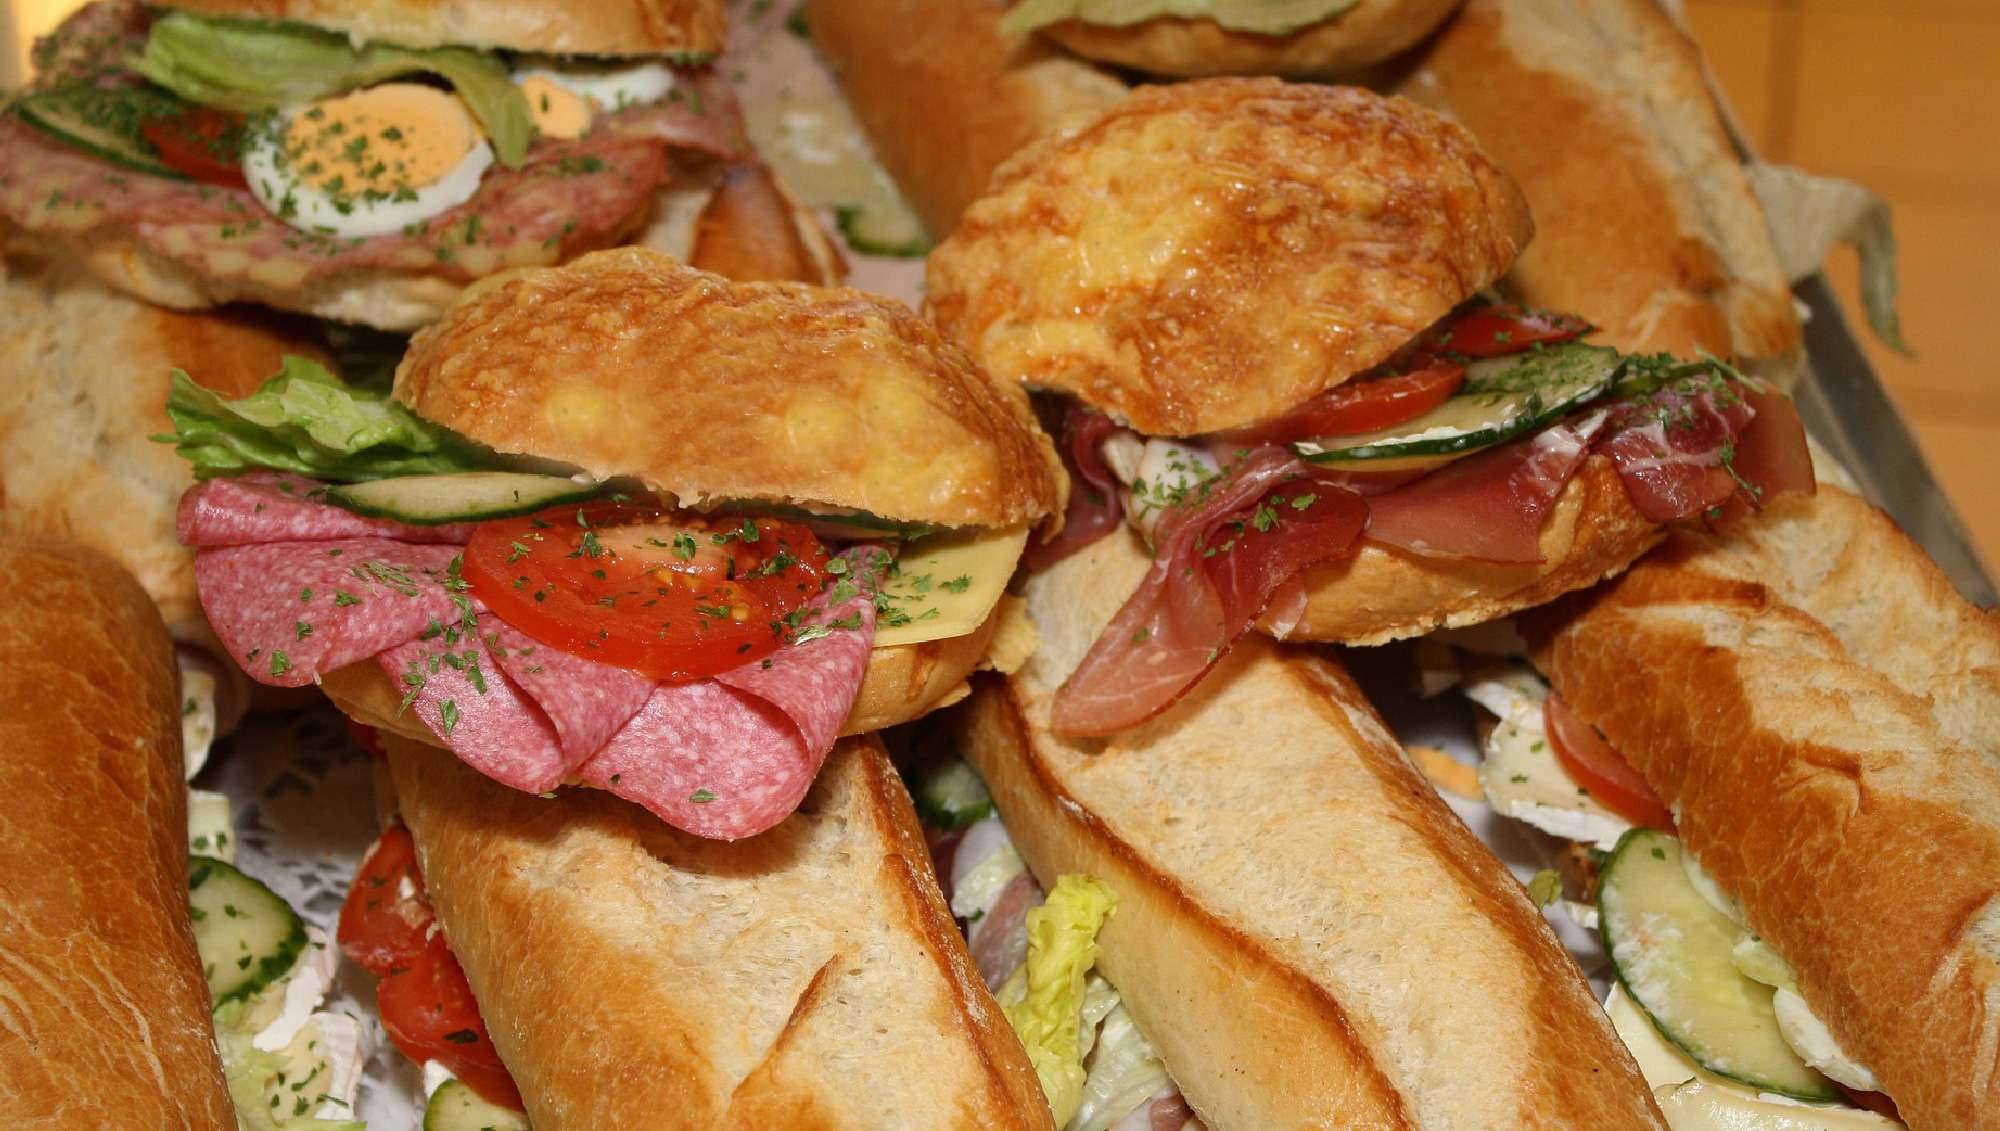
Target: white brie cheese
1813, 1041
436, 1076
305, 989
1521, 776
211, 832
197, 717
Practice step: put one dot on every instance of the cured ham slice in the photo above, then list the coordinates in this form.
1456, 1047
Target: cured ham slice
288, 612
272, 506
1093, 509
1489, 506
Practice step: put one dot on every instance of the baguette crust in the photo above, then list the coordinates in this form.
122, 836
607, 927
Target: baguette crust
556, 27
86, 385
1379, 593
1368, 32
106, 1022
945, 97
1202, 231
626, 363
631, 975
1646, 224
902, 683
1872, 859
1290, 977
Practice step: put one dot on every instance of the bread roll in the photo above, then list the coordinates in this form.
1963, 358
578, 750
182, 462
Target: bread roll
106, 1018
1304, 930
555, 27
634, 976
1838, 776
626, 363
1366, 31
1645, 222
1207, 255
944, 96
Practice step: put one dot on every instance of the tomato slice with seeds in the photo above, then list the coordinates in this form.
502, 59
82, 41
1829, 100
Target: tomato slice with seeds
385, 922
1596, 767
673, 596
1495, 330
1362, 405
201, 143
429, 1013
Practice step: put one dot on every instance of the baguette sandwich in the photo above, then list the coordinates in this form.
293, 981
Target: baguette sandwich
1299, 932
1816, 726
1198, 38
1264, 310
365, 163
128, 964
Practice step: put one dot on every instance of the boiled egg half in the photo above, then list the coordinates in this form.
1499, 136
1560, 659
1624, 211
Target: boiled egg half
368, 163
563, 95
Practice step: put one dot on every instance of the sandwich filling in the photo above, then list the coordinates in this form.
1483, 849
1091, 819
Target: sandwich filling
278, 153
547, 629
1457, 449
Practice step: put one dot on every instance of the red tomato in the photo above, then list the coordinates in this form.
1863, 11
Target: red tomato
365, 737
1362, 405
428, 1011
381, 927
200, 143
672, 596
1498, 329
1596, 767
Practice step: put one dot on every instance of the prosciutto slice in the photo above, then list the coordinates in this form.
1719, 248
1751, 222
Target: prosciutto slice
476, 710
272, 506
288, 612
1191, 607
1093, 510
1489, 506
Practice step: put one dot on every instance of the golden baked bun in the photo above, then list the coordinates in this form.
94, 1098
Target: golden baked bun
1368, 32
1206, 255
555, 27
624, 362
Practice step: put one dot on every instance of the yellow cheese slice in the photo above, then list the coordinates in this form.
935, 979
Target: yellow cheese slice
946, 584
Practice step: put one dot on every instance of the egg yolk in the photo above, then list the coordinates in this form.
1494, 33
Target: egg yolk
381, 143
558, 111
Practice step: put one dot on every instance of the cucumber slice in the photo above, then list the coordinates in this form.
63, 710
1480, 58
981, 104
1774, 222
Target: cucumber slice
1502, 398
883, 225
951, 796
103, 121
845, 525
456, 1107
246, 935
465, 496
1672, 952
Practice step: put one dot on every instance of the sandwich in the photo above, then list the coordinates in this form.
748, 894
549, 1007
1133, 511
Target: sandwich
1197, 38
1259, 915
1263, 313
1746, 826
760, 515
358, 164
145, 987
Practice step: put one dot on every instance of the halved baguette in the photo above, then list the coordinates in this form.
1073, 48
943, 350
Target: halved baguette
1816, 706
634, 976
1304, 930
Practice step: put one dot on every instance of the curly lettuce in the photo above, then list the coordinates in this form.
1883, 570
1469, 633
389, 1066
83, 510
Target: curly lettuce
1044, 999
306, 420
1262, 17
253, 65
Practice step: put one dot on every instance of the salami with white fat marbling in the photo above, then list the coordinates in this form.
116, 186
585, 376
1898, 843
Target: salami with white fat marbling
476, 711
272, 506
587, 702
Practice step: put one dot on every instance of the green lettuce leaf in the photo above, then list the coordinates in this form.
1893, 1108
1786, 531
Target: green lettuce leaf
1809, 214
1044, 998
251, 65
266, 1087
1262, 17
305, 420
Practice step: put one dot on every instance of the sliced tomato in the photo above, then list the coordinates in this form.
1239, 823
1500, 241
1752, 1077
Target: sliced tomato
676, 597
386, 923
429, 1013
202, 143
1362, 405
1611, 780
366, 738
1497, 329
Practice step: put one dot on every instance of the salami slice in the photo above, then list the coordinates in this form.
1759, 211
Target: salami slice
272, 506
587, 702
475, 710
289, 611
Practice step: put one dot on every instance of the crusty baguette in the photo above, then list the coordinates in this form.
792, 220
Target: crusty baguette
555, 27
1304, 930
1367, 31
1645, 221
902, 682
624, 362
753, 229
633, 976
1379, 593
1839, 781
105, 1021
944, 97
